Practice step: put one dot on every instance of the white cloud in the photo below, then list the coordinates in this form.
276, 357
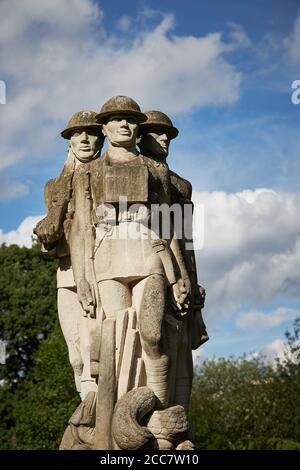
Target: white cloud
251, 250
275, 350
57, 60
22, 235
256, 320
270, 353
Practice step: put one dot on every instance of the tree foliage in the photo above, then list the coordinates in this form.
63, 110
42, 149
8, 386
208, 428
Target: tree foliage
37, 394
247, 404
27, 306
47, 398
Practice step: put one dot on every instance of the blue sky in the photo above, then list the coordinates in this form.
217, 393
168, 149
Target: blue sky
223, 72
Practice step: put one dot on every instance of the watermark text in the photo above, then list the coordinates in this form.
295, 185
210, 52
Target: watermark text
295, 98
159, 221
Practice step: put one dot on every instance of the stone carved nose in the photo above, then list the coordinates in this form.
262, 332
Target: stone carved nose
84, 135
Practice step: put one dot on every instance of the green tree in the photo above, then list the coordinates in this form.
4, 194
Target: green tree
37, 391
229, 402
286, 388
27, 307
46, 399
247, 404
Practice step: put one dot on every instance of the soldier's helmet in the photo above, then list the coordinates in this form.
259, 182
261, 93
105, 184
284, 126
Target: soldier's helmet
120, 105
158, 121
82, 120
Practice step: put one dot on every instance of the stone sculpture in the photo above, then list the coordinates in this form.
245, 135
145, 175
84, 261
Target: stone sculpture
156, 134
86, 140
129, 303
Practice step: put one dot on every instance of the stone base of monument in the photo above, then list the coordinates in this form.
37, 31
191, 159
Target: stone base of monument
136, 424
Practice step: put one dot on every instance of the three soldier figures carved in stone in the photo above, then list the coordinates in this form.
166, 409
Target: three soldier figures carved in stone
129, 303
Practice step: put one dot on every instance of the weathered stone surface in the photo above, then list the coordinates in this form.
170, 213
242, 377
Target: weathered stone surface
80, 432
170, 424
127, 429
129, 302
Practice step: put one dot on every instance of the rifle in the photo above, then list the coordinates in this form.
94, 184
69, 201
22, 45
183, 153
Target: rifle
89, 249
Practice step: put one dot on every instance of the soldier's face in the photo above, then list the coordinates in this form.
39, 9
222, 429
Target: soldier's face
157, 143
121, 131
85, 144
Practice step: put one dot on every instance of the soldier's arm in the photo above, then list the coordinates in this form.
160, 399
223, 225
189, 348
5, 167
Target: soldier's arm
57, 196
182, 288
177, 253
77, 241
198, 333
181, 191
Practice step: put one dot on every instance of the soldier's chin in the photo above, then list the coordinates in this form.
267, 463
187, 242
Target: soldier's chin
124, 139
85, 157
125, 142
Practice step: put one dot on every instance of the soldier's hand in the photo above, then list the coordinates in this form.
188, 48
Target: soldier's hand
47, 231
187, 285
180, 297
85, 297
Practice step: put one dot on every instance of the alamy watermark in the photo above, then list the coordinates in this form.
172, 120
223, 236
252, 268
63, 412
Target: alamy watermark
2, 92
161, 221
2, 352
295, 98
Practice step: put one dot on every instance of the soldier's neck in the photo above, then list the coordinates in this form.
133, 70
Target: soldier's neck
121, 154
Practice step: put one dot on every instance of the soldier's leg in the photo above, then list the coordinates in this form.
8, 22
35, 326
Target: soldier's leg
69, 313
114, 379
76, 330
149, 298
88, 383
115, 296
